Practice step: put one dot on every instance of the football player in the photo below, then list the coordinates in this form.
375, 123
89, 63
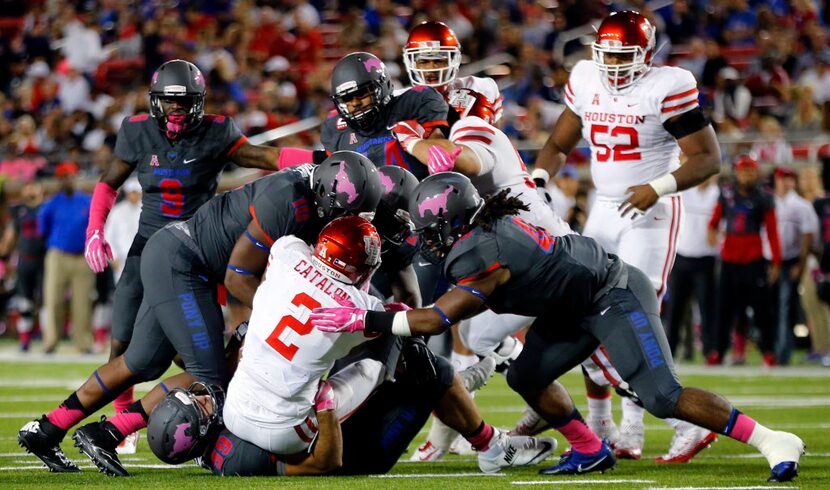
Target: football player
580, 295
637, 119
185, 262
432, 57
178, 153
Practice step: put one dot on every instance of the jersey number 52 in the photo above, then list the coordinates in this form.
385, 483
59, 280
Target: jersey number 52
622, 151
288, 351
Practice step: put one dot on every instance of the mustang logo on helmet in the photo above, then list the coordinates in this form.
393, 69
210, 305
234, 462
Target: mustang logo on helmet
436, 204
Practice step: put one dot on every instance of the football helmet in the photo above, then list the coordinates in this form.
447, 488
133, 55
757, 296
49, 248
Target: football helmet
178, 79
348, 249
392, 216
442, 207
467, 102
357, 75
346, 183
185, 422
432, 40
626, 34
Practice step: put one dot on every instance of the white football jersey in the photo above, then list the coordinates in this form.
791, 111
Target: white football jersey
501, 168
629, 145
284, 356
485, 86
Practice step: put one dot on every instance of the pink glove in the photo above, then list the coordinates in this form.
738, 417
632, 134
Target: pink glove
408, 133
440, 160
324, 399
339, 320
396, 307
97, 251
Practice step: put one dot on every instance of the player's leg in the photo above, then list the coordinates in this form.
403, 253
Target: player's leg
125, 303
29, 274
544, 358
761, 297
631, 331
681, 285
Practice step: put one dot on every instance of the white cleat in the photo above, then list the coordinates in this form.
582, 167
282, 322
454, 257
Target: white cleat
129, 444
531, 424
508, 450
783, 455
630, 442
476, 376
427, 453
688, 440
462, 447
604, 429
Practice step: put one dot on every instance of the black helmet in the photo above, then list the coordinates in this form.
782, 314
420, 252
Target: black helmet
346, 183
441, 208
360, 73
179, 429
178, 78
392, 217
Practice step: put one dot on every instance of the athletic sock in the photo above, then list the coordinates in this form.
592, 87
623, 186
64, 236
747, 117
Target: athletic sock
481, 438
632, 414
124, 400
581, 438
68, 413
600, 408
130, 420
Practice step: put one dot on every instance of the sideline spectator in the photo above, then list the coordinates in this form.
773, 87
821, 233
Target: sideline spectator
122, 225
62, 221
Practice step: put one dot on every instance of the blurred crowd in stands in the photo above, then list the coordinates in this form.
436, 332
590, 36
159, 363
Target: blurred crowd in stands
70, 71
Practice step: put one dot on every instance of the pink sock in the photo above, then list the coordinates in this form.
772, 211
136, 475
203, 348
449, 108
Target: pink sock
65, 417
124, 400
581, 438
480, 440
744, 425
128, 422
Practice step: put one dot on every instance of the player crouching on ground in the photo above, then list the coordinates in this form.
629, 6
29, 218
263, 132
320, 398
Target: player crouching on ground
277, 404
580, 295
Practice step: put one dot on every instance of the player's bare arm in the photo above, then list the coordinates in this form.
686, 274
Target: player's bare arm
256, 156
702, 161
566, 134
327, 454
246, 265
115, 175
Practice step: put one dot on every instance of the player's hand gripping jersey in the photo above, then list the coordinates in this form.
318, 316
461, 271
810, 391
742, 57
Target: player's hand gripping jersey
284, 357
629, 144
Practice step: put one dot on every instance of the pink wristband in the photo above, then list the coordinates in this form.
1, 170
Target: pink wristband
103, 198
291, 157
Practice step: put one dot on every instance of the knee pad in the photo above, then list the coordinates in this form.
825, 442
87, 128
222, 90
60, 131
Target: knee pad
446, 373
662, 405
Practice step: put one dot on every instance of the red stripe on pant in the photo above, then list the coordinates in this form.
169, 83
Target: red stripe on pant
668, 263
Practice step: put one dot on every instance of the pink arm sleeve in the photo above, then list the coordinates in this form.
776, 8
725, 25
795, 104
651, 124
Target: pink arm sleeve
291, 157
103, 199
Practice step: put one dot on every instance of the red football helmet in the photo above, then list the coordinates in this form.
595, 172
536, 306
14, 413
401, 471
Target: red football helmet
348, 249
432, 41
468, 102
625, 33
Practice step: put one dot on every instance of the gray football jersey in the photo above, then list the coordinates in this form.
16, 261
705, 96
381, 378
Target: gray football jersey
176, 177
547, 274
281, 204
379, 145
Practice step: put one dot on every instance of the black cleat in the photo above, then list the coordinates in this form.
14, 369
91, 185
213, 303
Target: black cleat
42, 438
98, 441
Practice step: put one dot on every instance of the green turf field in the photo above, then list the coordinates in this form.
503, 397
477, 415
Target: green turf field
794, 399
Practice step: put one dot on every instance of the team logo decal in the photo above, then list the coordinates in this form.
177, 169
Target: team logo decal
352, 139
435, 204
154, 161
596, 100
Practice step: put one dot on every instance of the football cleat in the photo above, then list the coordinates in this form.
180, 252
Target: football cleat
42, 438
630, 441
531, 424
576, 463
99, 441
604, 429
476, 376
506, 450
130, 444
783, 455
427, 453
688, 440
461, 447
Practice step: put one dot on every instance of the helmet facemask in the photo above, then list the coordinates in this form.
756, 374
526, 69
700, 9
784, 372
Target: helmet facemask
432, 77
618, 77
365, 117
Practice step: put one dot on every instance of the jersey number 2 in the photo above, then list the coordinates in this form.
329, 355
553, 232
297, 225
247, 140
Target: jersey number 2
289, 350
622, 152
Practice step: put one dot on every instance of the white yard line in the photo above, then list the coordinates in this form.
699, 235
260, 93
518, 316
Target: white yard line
436, 475
568, 481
